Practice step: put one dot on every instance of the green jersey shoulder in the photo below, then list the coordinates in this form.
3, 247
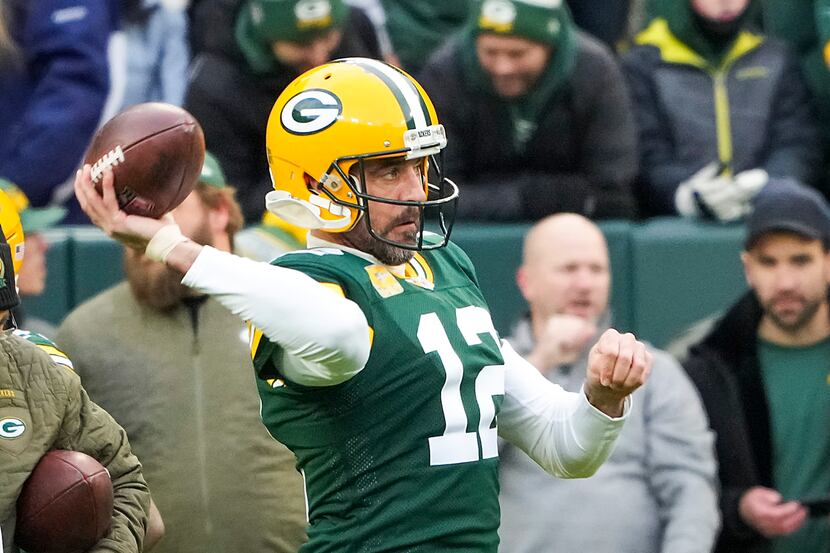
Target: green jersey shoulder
46, 345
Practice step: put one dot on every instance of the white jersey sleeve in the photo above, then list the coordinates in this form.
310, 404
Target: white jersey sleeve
325, 336
560, 430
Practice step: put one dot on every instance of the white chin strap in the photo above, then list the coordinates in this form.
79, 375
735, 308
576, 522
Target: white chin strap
306, 214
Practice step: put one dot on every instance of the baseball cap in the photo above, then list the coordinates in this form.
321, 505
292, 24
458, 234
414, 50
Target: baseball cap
786, 205
33, 219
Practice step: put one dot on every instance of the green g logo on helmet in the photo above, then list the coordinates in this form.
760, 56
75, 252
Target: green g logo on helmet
311, 111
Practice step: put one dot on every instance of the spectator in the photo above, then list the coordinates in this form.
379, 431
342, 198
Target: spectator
157, 53
607, 20
538, 113
418, 27
31, 278
377, 15
663, 464
762, 373
53, 88
43, 407
718, 107
170, 364
233, 87
805, 26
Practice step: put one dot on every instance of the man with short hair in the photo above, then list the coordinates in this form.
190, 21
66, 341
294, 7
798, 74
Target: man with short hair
376, 358
763, 375
541, 113
168, 362
664, 462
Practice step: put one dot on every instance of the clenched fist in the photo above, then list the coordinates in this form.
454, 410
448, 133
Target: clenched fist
618, 364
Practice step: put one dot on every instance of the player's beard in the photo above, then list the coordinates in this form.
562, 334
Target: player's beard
156, 285
360, 238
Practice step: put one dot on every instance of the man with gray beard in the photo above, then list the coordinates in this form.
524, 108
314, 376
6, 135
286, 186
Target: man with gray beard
173, 366
763, 373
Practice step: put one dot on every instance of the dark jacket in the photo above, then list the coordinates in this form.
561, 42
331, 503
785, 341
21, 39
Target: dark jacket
726, 371
582, 156
753, 110
232, 103
53, 94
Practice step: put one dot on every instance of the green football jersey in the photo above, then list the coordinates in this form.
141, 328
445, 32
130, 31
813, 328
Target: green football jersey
404, 455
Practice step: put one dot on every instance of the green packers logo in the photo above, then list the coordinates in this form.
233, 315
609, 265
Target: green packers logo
313, 13
2, 274
497, 15
11, 428
311, 111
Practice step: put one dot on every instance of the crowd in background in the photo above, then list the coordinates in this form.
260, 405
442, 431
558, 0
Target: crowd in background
601, 109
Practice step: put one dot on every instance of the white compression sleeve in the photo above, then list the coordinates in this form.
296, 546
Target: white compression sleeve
324, 335
560, 430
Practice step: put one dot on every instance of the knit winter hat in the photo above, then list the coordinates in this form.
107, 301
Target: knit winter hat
260, 23
292, 20
537, 20
212, 174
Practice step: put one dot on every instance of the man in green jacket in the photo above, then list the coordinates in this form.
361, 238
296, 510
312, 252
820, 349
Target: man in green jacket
44, 407
174, 368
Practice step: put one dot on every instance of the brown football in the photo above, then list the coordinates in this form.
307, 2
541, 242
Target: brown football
155, 151
65, 505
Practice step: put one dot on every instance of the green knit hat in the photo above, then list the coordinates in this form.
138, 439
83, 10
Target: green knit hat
263, 22
212, 174
538, 20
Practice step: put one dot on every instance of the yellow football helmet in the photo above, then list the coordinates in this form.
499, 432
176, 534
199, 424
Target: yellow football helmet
343, 113
12, 229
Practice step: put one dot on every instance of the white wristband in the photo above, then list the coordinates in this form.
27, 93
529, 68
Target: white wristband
163, 242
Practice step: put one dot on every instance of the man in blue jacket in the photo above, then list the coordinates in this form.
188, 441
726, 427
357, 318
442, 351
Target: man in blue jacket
54, 81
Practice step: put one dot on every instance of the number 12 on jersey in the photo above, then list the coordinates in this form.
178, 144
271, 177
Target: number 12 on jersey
456, 445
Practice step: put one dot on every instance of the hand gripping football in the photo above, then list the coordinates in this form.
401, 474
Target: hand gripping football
155, 152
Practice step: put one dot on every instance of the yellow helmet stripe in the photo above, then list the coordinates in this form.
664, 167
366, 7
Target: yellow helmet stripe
407, 94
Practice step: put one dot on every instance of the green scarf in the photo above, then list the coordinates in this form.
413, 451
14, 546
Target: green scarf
552, 26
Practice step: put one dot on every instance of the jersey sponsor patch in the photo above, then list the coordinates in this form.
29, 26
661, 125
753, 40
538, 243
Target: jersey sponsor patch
383, 281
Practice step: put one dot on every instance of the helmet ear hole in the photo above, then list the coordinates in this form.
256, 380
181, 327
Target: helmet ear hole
311, 183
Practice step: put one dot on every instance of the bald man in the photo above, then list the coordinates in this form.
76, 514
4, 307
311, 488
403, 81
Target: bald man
663, 468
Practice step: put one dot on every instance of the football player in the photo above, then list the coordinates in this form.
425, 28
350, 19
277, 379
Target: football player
377, 361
